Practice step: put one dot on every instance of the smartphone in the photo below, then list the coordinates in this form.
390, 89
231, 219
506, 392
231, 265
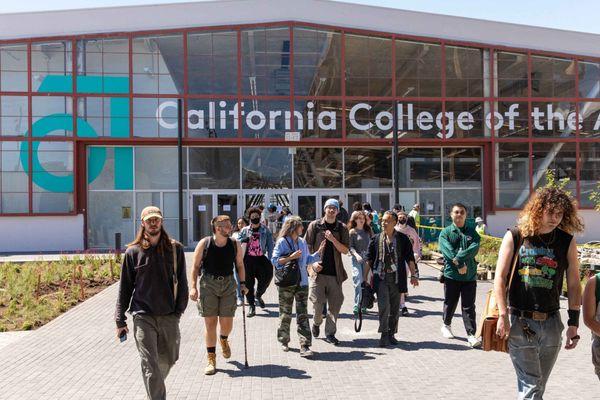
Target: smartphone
123, 336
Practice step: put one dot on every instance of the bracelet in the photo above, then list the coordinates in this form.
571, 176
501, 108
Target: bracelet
243, 283
416, 276
573, 318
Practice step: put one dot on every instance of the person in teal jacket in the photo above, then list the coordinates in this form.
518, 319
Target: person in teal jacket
459, 244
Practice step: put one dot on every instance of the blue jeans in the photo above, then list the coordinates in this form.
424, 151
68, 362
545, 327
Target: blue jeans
238, 290
357, 279
533, 357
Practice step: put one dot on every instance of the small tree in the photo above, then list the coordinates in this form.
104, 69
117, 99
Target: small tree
552, 182
595, 197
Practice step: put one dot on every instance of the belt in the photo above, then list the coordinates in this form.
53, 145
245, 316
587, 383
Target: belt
534, 315
216, 277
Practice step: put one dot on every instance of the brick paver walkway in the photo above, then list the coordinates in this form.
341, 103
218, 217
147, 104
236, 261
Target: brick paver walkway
77, 357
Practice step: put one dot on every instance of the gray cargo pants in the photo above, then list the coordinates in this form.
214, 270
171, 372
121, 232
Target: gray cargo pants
157, 339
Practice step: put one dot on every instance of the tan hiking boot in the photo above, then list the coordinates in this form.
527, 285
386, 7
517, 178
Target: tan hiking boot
211, 366
225, 347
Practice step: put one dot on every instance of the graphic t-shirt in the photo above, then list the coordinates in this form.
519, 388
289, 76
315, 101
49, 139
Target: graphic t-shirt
254, 249
540, 271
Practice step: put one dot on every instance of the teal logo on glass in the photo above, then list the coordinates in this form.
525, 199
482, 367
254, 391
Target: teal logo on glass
119, 128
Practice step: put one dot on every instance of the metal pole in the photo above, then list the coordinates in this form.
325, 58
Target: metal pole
180, 165
395, 165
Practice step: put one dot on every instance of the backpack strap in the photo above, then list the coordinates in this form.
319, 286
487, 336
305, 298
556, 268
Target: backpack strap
597, 288
175, 268
517, 243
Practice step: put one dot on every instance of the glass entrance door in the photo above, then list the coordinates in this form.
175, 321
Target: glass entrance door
206, 206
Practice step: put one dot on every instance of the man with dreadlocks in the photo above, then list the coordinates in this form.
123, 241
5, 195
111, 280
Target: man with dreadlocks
154, 289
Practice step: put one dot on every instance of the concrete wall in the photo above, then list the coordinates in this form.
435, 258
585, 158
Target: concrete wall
212, 13
499, 222
41, 234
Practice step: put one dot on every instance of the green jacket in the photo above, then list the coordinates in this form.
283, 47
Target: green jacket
461, 244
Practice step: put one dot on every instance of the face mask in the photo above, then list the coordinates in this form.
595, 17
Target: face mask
255, 220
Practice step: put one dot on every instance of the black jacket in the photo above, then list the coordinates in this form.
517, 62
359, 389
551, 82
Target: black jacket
147, 283
404, 254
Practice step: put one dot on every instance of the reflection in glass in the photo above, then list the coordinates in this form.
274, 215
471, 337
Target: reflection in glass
52, 58
13, 115
471, 198
103, 57
317, 62
553, 119
368, 66
55, 158
212, 118
462, 167
266, 61
14, 182
418, 69
318, 168
559, 157
156, 168
589, 175
212, 62
318, 118
369, 119
13, 68
512, 174
464, 72
158, 64
56, 111
105, 218
589, 112
214, 168
515, 120
145, 122
512, 74
552, 77
465, 120
368, 168
419, 119
266, 118
266, 168
419, 167
589, 80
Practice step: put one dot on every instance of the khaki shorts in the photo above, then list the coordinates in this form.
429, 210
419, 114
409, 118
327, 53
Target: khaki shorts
217, 296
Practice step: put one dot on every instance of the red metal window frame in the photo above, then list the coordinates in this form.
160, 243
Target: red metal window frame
487, 144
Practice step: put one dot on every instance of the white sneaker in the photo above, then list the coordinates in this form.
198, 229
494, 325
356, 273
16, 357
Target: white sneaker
473, 341
447, 332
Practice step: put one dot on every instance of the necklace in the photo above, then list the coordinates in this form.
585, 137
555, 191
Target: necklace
547, 244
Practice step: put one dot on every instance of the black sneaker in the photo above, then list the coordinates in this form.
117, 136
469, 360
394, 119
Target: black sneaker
260, 302
251, 311
305, 351
393, 341
385, 340
332, 339
315, 330
404, 312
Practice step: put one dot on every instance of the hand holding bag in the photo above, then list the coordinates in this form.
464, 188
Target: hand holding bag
491, 341
289, 274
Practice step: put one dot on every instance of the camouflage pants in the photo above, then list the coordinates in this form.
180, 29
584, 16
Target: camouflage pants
286, 301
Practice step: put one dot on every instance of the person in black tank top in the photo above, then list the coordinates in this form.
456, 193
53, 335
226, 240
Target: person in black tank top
543, 250
216, 256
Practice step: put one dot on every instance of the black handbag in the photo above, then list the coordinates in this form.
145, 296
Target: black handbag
289, 274
367, 300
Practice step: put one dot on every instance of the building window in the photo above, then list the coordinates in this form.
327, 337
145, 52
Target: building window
368, 168
14, 182
266, 61
53, 177
13, 68
464, 72
418, 69
14, 112
154, 117
156, 168
53, 58
158, 64
553, 119
214, 167
589, 164
317, 62
552, 77
266, 168
558, 157
52, 116
368, 66
511, 74
420, 167
212, 62
104, 59
318, 168
512, 174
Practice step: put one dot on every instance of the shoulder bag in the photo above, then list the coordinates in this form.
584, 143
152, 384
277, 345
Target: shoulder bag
289, 274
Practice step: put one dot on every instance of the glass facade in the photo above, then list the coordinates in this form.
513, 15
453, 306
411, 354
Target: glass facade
112, 101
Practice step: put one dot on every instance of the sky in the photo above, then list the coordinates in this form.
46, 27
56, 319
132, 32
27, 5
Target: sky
580, 15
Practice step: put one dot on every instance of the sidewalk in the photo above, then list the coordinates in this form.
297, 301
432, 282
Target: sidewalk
77, 357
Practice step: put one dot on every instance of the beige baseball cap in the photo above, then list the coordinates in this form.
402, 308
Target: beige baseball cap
151, 212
